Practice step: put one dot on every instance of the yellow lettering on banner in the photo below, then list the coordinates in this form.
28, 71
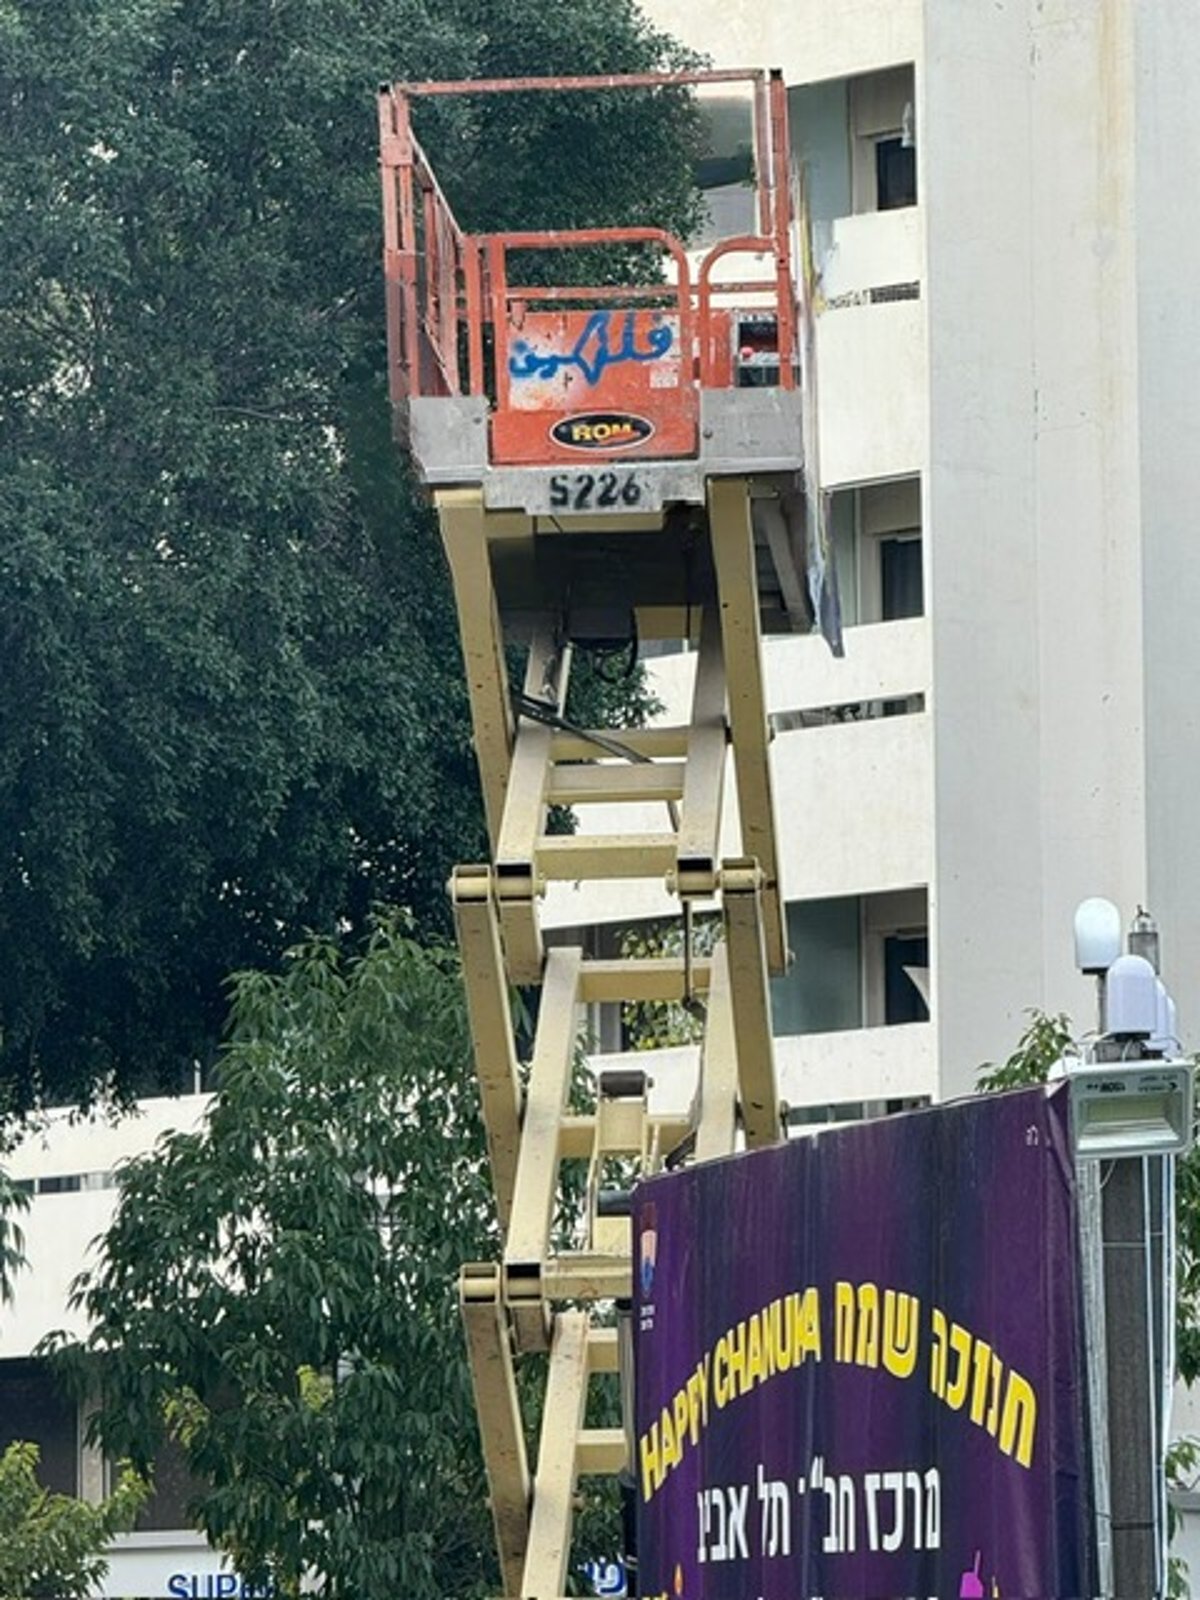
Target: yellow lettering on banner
992, 1422
965, 1373
872, 1327
843, 1322
808, 1326
900, 1318
652, 1473
1019, 1420
755, 1368
735, 1359
960, 1346
937, 1355
695, 1403
779, 1355
672, 1455
721, 1393
867, 1352
979, 1387
662, 1447
681, 1420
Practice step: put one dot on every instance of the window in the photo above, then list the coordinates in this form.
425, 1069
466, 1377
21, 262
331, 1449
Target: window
859, 961
804, 1118
796, 721
174, 1487
821, 992
34, 1407
883, 154
889, 551
896, 957
900, 582
905, 977
895, 174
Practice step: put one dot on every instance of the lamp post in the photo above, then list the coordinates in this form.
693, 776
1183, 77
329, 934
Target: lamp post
1131, 1114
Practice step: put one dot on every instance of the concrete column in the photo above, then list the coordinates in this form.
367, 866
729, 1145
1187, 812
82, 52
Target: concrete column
1167, 129
1033, 505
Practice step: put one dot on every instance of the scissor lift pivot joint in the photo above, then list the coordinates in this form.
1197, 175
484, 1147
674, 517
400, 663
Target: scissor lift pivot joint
694, 879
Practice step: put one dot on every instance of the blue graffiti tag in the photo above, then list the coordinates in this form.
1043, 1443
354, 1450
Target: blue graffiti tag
605, 1577
593, 352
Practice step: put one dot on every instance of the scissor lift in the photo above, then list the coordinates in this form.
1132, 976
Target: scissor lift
610, 464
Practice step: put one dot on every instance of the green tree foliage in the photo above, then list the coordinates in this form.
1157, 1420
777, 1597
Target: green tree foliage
1046, 1040
277, 1291
661, 1024
1183, 1470
1187, 1283
232, 701
12, 1240
51, 1544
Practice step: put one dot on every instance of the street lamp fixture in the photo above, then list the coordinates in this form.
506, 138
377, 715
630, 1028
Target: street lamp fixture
1097, 935
1124, 1109
1127, 1101
1131, 1114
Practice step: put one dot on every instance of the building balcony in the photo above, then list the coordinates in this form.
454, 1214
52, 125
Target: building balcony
871, 364
858, 1065
854, 761
871, 359
849, 1068
859, 808
872, 258
883, 661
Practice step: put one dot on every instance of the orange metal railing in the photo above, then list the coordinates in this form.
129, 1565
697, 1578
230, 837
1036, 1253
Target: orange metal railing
458, 326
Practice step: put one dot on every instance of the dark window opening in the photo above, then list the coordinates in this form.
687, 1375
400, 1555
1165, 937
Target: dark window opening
853, 711
174, 1488
68, 1183
852, 1111
902, 999
34, 1407
901, 584
895, 174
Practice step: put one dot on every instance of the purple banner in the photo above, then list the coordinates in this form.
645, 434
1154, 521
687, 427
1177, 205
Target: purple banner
860, 1365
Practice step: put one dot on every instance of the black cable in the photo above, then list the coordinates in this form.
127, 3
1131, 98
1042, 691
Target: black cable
541, 711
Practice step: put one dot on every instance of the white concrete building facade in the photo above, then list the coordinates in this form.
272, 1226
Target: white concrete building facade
1005, 241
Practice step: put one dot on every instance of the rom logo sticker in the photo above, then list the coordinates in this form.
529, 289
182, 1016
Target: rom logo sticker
602, 430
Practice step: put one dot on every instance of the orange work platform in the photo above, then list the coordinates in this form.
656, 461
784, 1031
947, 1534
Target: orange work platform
580, 386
